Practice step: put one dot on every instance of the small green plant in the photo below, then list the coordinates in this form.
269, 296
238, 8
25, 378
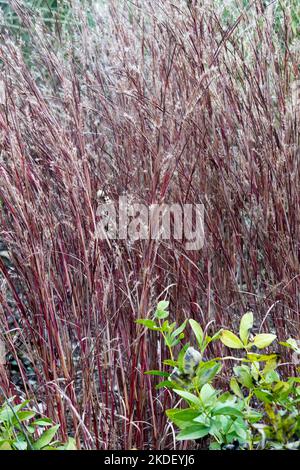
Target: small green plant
258, 410
21, 429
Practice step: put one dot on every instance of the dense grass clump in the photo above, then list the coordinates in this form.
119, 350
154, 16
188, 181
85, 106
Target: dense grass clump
166, 102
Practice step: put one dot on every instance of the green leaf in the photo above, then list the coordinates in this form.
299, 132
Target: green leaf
263, 340
253, 357
219, 426
294, 344
291, 343
254, 370
207, 371
70, 444
272, 376
171, 342
167, 384
244, 375
179, 330
281, 388
193, 432
167, 327
216, 336
30, 429
43, 422
264, 395
182, 418
157, 372
162, 305
245, 326
181, 355
161, 314
240, 429
189, 397
214, 446
253, 416
5, 445
170, 362
22, 416
227, 410
7, 414
161, 310
198, 332
231, 340
46, 438
270, 366
207, 393
235, 387
148, 323
20, 444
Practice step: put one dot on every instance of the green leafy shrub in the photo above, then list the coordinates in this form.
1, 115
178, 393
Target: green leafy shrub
21, 429
259, 410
